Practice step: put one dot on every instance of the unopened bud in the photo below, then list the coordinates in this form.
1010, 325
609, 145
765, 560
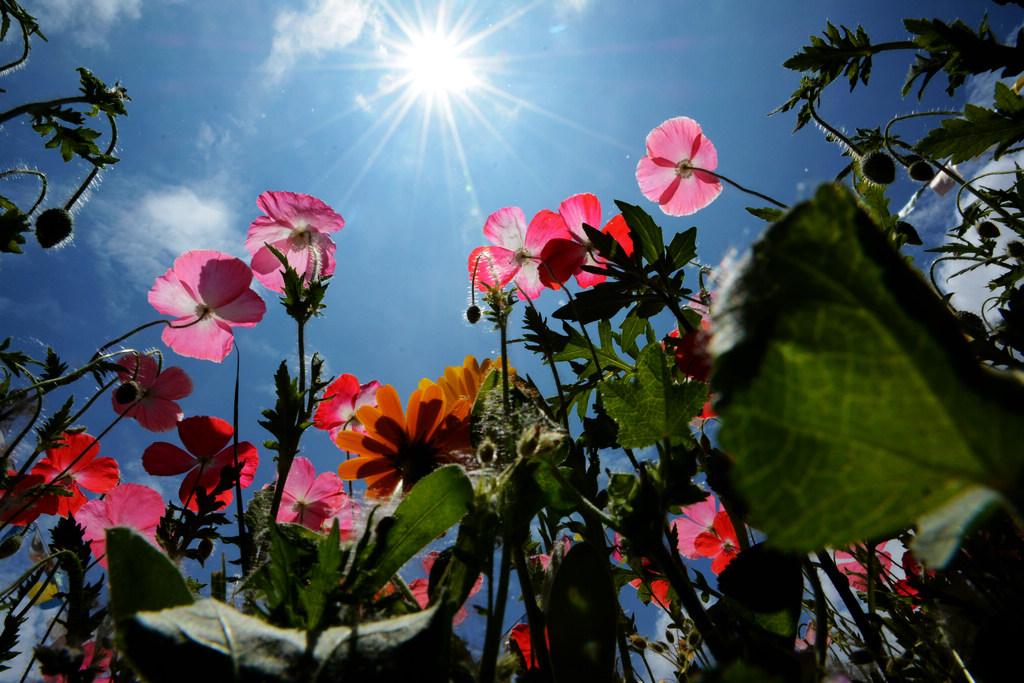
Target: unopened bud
921, 171
988, 229
10, 546
908, 231
473, 314
53, 226
972, 323
1016, 249
126, 393
486, 452
205, 548
878, 167
638, 642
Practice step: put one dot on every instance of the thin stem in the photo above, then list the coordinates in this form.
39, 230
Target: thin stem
835, 133
243, 537
496, 618
820, 615
871, 638
26, 108
95, 167
534, 617
28, 171
24, 52
743, 189
550, 358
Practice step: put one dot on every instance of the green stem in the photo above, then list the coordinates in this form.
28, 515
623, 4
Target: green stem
95, 167
244, 546
496, 618
871, 638
28, 171
534, 617
743, 189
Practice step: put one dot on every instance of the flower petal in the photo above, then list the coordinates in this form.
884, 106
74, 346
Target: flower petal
507, 228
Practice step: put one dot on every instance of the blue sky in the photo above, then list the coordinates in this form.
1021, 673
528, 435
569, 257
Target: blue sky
230, 99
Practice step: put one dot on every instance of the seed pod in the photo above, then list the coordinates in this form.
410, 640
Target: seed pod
53, 226
988, 229
921, 171
126, 393
907, 230
878, 167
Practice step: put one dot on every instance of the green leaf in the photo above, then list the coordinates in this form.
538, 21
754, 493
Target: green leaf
651, 406
848, 395
646, 235
142, 579
767, 213
582, 616
962, 139
434, 505
213, 641
12, 224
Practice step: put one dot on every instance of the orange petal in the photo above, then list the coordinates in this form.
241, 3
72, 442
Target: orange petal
363, 444
361, 468
426, 410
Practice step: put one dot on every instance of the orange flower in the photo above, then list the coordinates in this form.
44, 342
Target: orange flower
400, 448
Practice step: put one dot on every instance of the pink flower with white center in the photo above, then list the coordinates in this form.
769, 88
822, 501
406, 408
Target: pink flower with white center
336, 412
722, 545
149, 395
297, 226
74, 464
672, 173
520, 249
420, 588
699, 519
583, 209
208, 293
131, 505
311, 500
208, 440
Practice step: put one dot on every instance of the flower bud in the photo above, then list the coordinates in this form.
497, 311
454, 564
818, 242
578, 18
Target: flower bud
205, 548
473, 314
972, 323
126, 393
1016, 249
53, 226
10, 546
907, 231
988, 229
486, 452
921, 171
879, 168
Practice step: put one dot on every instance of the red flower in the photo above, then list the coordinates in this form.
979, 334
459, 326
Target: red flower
722, 545
583, 209
693, 358
520, 635
209, 451
419, 587
149, 395
336, 411
19, 506
856, 572
73, 464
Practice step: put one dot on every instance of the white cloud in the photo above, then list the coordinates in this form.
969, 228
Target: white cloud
324, 26
141, 243
89, 19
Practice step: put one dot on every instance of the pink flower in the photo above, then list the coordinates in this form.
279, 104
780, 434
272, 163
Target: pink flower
336, 411
856, 572
672, 173
297, 226
209, 451
544, 561
131, 505
149, 395
699, 519
208, 293
721, 546
97, 661
311, 500
585, 208
521, 249
420, 587
75, 464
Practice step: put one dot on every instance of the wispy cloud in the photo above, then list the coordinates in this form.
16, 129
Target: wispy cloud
324, 26
140, 244
90, 20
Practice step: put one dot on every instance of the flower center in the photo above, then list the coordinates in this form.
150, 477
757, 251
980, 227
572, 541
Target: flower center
203, 311
522, 257
684, 168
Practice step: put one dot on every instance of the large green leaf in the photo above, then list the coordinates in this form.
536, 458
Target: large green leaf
434, 505
213, 641
652, 406
581, 618
849, 397
141, 577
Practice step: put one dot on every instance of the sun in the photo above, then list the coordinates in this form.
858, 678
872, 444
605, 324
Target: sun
436, 65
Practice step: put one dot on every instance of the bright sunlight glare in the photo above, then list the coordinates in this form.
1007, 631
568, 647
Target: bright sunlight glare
435, 66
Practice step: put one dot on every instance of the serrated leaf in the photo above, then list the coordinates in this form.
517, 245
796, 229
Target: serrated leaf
962, 139
651, 406
766, 213
848, 395
214, 639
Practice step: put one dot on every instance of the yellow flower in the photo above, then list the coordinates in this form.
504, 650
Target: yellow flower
464, 382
